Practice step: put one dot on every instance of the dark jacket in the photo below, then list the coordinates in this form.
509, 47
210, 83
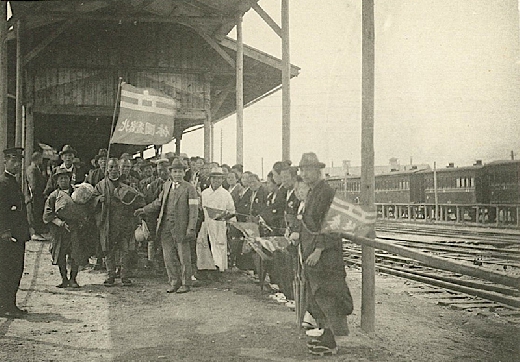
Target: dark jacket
274, 211
185, 205
94, 176
13, 214
243, 206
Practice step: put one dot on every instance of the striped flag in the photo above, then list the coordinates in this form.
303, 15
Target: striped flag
146, 117
344, 217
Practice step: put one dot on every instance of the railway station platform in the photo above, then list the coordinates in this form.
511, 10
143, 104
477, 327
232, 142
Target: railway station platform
231, 320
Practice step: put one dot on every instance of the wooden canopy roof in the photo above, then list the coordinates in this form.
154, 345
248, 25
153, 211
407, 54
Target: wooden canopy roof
214, 17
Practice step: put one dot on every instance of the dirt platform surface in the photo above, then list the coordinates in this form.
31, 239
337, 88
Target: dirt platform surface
231, 320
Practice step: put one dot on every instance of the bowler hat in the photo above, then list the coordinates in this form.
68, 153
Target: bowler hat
310, 159
61, 171
13, 152
67, 149
177, 164
216, 171
102, 153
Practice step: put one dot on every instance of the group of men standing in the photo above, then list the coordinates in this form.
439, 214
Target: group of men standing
179, 202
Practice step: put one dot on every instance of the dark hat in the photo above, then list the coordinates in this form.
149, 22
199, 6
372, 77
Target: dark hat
145, 164
310, 159
13, 152
216, 171
177, 163
126, 156
102, 153
281, 165
67, 149
61, 171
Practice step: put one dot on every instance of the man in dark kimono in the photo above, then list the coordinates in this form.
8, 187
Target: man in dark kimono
116, 223
35, 198
328, 296
14, 232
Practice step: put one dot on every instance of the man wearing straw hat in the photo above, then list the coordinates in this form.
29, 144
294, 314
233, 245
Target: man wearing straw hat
328, 296
212, 238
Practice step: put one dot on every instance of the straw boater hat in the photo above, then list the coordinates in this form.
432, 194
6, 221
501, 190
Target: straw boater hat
310, 159
61, 171
67, 149
216, 171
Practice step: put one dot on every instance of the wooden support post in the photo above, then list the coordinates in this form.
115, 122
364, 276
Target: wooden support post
435, 191
457, 211
19, 78
212, 142
240, 92
207, 122
367, 197
410, 209
178, 141
286, 84
497, 215
3, 82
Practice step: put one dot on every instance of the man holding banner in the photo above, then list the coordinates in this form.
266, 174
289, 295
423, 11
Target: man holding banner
328, 296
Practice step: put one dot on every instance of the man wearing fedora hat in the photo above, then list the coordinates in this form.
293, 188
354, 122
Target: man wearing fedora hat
329, 300
67, 155
14, 232
212, 238
97, 174
177, 209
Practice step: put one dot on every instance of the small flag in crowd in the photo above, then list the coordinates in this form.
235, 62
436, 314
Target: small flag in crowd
146, 117
216, 214
249, 229
344, 217
274, 243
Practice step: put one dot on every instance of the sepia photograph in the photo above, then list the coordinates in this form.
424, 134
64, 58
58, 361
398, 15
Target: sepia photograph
260, 180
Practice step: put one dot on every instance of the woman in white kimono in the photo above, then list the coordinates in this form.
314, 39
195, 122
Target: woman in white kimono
212, 240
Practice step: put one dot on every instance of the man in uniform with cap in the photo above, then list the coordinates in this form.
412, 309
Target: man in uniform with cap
329, 300
14, 232
67, 156
177, 207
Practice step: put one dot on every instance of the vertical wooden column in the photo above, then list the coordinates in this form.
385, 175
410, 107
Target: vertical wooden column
435, 192
212, 142
240, 92
19, 78
286, 84
3, 82
207, 120
368, 304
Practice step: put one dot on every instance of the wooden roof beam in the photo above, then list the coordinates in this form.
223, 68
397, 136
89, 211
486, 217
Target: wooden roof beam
212, 43
45, 42
267, 19
219, 99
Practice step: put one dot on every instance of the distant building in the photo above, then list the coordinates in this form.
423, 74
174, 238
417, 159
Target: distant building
348, 170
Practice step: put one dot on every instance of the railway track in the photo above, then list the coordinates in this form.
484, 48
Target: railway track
490, 250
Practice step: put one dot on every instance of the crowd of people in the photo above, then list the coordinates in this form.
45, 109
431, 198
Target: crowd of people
188, 208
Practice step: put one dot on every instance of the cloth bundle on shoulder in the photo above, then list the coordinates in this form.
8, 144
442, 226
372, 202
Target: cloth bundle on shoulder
68, 210
83, 193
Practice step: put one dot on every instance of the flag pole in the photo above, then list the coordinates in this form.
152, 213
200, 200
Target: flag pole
114, 114
106, 204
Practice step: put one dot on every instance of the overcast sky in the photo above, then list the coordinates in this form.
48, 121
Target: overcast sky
447, 84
